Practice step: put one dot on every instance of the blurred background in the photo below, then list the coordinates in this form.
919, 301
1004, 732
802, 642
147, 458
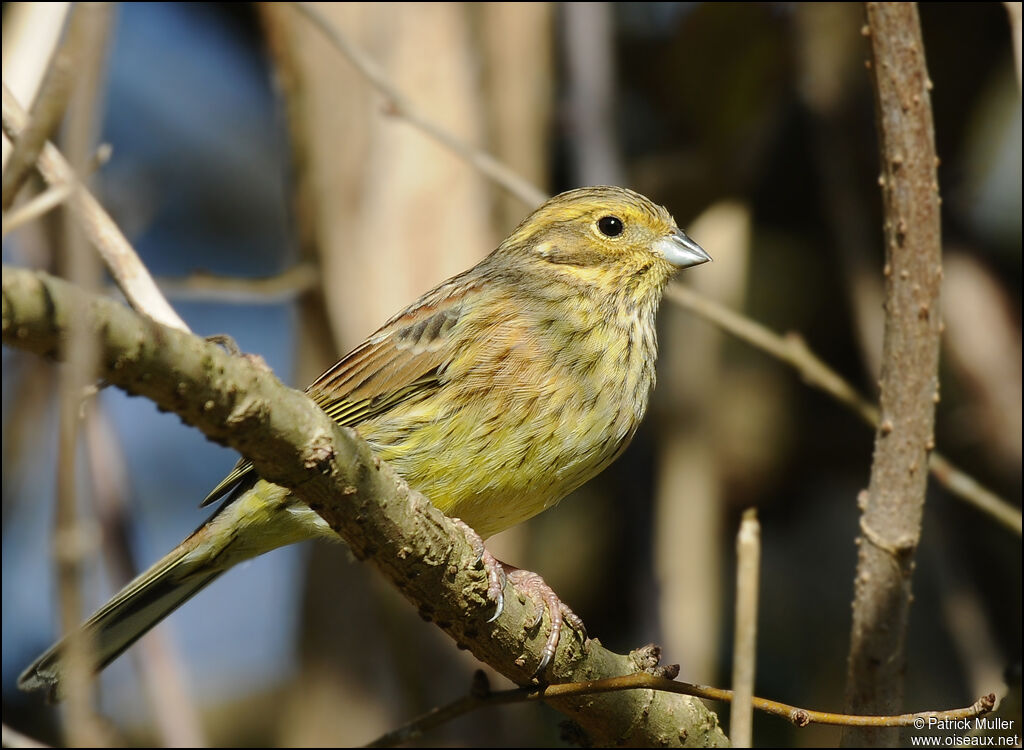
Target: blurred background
245, 147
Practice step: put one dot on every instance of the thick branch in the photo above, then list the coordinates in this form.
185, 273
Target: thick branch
237, 402
893, 505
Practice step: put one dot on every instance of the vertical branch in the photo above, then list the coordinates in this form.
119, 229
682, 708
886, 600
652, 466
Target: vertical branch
160, 670
1013, 11
46, 114
748, 575
590, 81
73, 540
31, 33
893, 504
519, 92
349, 193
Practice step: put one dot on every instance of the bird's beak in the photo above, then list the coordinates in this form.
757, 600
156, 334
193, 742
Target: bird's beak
680, 250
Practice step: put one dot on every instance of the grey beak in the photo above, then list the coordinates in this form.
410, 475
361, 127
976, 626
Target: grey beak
680, 250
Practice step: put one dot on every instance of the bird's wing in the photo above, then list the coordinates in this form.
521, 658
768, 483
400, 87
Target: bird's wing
403, 360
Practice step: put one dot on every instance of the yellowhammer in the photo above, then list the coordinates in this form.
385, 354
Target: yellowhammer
495, 394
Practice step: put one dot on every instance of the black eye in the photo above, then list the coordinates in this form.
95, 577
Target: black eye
610, 226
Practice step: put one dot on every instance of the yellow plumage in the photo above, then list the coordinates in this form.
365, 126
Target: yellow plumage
495, 394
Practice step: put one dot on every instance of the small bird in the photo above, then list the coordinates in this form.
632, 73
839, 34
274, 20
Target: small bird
495, 395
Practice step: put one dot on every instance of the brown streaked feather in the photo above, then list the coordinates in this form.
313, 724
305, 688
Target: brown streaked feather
403, 360
228, 483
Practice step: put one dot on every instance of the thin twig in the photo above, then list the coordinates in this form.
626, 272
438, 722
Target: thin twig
14, 738
38, 206
1013, 11
131, 275
800, 717
31, 34
793, 350
283, 287
893, 505
399, 105
592, 107
965, 486
159, 662
47, 112
748, 568
74, 541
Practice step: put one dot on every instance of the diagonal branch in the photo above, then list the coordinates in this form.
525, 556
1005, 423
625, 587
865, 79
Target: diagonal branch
132, 277
237, 402
791, 349
401, 106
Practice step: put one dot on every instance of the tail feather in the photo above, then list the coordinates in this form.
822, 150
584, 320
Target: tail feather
256, 517
124, 619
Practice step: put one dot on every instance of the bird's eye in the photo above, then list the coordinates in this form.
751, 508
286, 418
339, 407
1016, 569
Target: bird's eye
610, 226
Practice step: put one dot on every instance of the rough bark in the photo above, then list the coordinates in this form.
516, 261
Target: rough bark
894, 501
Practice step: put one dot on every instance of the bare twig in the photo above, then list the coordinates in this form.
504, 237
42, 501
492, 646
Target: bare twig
31, 33
160, 664
401, 106
38, 206
124, 264
47, 112
74, 538
1013, 10
14, 738
964, 486
793, 350
800, 717
74, 541
588, 30
893, 505
52, 197
282, 287
748, 567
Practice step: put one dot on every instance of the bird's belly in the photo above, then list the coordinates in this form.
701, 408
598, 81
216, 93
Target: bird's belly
496, 471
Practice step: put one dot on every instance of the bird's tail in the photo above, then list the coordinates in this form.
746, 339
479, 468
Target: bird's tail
124, 619
256, 518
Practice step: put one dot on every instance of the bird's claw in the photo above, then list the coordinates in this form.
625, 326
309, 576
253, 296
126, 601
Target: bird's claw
533, 587
495, 584
544, 597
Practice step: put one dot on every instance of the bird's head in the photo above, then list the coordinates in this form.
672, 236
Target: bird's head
604, 234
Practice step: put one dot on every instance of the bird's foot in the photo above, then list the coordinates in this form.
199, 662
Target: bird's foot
544, 597
494, 568
530, 585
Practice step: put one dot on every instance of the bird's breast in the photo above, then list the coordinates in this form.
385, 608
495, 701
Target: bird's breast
523, 417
